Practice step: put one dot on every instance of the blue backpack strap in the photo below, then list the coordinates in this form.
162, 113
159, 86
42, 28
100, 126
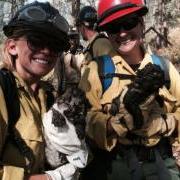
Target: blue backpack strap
105, 66
158, 60
106, 70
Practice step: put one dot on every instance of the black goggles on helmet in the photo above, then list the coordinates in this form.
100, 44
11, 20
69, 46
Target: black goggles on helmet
126, 24
48, 22
35, 14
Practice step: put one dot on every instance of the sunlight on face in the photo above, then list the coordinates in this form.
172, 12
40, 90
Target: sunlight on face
29, 63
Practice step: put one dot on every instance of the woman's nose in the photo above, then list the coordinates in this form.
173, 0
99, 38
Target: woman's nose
45, 50
121, 32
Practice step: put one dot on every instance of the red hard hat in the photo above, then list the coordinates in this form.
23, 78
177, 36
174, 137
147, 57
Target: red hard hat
110, 10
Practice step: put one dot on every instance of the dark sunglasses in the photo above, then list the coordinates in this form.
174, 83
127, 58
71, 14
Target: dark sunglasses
37, 42
126, 25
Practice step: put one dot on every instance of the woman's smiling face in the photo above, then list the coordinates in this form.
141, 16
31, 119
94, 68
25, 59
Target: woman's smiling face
127, 40
32, 62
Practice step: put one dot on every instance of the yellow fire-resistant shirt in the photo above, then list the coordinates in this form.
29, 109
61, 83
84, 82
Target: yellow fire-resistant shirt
97, 119
28, 126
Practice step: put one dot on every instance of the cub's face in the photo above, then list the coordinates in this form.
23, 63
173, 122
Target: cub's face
71, 107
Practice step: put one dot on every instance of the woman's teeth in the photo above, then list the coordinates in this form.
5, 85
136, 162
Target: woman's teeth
125, 41
41, 61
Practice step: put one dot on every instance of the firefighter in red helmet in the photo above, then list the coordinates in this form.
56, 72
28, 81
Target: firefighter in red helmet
109, 11
133, 124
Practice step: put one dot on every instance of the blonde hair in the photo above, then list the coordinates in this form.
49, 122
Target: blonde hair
8, 59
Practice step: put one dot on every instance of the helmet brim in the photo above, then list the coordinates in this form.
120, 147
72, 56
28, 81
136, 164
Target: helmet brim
140, 11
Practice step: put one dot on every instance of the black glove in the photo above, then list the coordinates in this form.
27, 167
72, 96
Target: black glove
147, 82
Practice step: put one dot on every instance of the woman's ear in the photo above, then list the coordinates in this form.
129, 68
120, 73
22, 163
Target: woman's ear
11, 47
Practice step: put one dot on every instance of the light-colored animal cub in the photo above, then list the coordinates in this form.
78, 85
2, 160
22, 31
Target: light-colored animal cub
64, 131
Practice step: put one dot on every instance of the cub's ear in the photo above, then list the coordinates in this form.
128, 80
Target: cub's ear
11, 46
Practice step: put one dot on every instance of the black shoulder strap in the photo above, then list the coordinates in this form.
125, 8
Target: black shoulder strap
9, 87
8, 84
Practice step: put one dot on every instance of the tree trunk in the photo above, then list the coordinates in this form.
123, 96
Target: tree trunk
75, 10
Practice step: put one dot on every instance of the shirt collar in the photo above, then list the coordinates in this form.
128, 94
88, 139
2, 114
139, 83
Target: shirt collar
19, 81
147, 59
117, 59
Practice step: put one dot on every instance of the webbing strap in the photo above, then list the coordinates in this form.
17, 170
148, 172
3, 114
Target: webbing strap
8, 85
106, 70
121, 76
